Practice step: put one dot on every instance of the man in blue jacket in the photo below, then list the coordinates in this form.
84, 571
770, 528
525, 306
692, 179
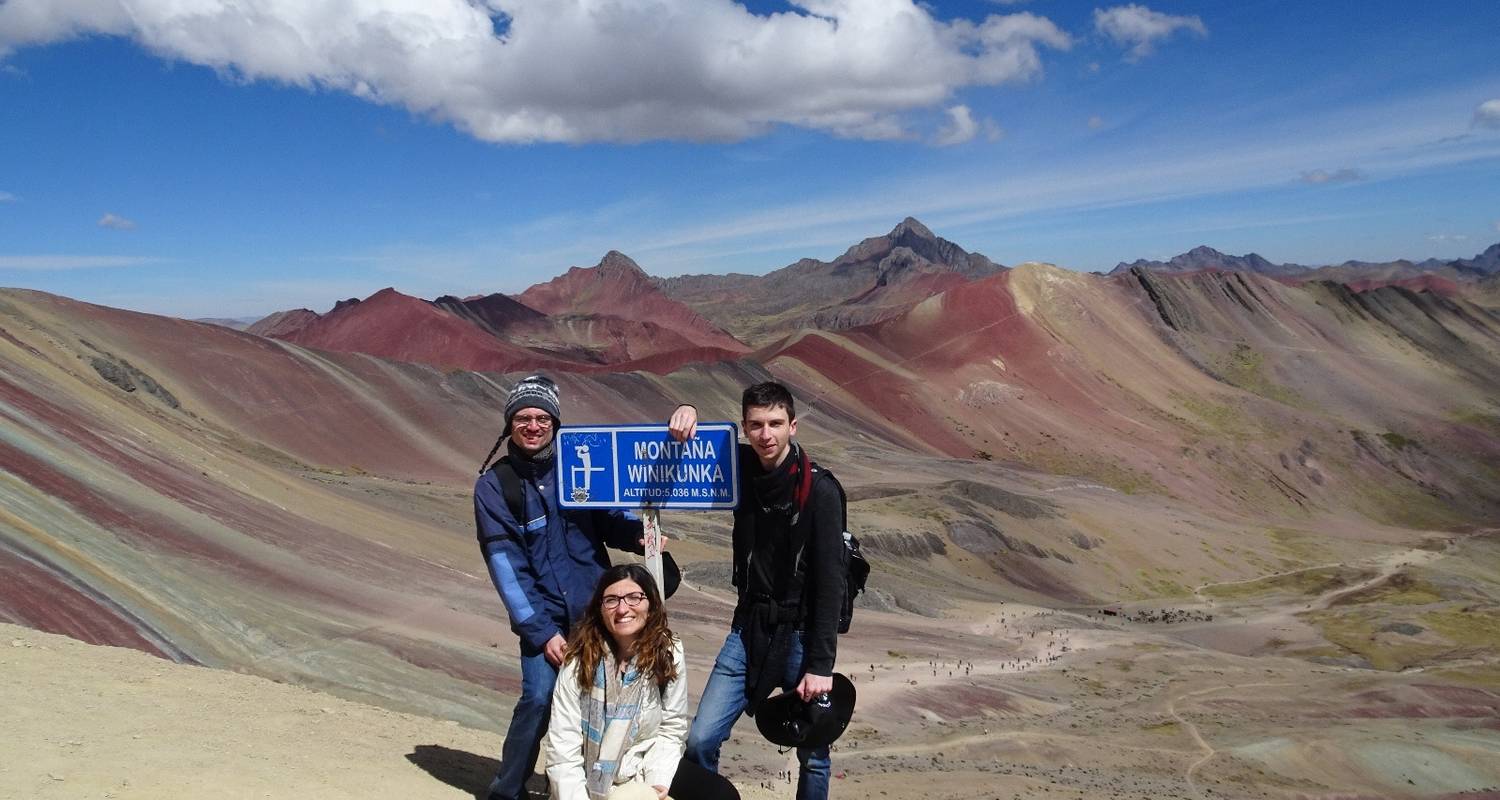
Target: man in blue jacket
543, 560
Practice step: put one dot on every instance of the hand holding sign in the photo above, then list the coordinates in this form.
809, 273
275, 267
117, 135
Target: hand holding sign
684, 423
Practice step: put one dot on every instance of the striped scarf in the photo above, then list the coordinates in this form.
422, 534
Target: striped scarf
611, 722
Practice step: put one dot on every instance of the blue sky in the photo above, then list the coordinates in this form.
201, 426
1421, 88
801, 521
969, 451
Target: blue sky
272, 154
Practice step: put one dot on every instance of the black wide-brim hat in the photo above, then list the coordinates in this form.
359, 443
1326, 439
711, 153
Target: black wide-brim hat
786, 721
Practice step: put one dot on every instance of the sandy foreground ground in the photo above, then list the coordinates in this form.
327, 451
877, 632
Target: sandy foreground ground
82, 721
104, 722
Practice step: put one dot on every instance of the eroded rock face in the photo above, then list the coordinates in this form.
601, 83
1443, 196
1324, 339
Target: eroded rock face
980, 537
998, 499
1083, 542
120, 373
113, 372
903, 545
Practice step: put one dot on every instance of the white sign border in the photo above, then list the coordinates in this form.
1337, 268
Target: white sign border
563, 501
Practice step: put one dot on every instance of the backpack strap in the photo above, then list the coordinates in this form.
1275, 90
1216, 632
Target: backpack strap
797, 587
510, 488
803, 490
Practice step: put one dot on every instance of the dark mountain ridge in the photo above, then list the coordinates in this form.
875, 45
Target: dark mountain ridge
1204, 257
872, 280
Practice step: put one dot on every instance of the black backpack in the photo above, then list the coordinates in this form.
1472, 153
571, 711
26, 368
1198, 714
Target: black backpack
857, 569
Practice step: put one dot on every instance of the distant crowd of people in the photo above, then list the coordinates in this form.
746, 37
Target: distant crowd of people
1164, 615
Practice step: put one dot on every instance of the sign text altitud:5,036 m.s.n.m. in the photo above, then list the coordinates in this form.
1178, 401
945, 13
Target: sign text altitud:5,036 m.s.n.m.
642, 466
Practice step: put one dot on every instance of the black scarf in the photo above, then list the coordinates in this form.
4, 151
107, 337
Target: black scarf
527, 465
774, 490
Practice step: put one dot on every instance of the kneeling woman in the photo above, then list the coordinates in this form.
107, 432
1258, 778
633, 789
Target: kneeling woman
619, 709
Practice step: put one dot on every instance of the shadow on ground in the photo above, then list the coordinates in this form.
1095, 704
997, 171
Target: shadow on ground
461, 770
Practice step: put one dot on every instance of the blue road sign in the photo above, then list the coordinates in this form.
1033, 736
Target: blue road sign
636, 466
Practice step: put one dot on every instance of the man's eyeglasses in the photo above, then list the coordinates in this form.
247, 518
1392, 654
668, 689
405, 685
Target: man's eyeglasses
633, 600
544, 422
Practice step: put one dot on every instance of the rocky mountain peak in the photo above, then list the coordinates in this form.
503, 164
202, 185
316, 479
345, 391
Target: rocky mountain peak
615, 262
1486, 262
1203, 251
911, 226
920, 241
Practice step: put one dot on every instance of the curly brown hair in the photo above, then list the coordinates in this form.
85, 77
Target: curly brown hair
653, 648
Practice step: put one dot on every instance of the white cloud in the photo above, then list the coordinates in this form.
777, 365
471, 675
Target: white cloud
116, 222
1343, 175
1139, 28
7, 197
1487, 115
1096, 122
1447, 237
1389, 136
58, 263
1497, 226
962, 127
583, 71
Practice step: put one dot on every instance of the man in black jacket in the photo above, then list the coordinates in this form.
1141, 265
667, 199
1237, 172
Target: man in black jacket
789, 572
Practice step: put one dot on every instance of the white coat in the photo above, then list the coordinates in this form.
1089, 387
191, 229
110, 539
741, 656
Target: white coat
651, 759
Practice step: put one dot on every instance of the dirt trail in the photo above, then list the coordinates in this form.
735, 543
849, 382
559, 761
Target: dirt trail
1208, 750
1388, 566
1385, 566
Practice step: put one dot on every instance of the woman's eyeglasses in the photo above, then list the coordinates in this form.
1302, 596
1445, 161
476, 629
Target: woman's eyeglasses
544, 422
633, 600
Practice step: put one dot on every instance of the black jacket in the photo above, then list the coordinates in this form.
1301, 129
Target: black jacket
765, 541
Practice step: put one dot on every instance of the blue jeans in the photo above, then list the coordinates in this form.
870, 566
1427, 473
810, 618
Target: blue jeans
528, 723
724, 701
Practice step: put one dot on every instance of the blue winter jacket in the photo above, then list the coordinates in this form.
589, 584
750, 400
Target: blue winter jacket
546, 566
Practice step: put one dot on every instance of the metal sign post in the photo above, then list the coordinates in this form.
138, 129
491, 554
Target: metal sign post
650, 519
